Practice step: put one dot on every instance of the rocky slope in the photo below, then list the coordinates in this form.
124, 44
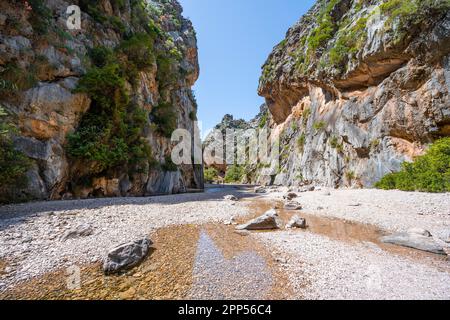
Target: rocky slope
357, 88
93, 106
222, 145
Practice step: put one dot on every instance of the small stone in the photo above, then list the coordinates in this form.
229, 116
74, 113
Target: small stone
242, 233
229, 222
67, 196
127, 295
296, 222
354, 204
27, 240
260, 190
420, 231
290, 195
230, 198
293, 205
82, 230
281, 260
268, 221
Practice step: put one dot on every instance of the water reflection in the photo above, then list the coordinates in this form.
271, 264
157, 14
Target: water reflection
244, 276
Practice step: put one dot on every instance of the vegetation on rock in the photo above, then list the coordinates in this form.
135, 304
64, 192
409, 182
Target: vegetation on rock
235, 173
210, 175
13, 163
111, 132
428, 173
337, 37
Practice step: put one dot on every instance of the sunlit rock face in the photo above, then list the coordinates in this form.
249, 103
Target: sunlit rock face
46, 107
356, 89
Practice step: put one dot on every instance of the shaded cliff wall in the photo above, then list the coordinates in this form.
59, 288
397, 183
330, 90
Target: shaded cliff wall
151, 53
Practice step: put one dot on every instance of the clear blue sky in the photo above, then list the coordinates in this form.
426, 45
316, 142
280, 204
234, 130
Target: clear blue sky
235, 38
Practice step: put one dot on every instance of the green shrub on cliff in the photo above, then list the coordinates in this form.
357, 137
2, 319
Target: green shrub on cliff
109, 134
168, 165
102, 56
263, 120
326, 28
210, 174
428, 173
234, 173
14, 78
40, 16
13, 164
407, 13
350, 40
165, 117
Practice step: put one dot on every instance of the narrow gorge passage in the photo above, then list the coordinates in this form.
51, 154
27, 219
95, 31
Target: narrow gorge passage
214, 261
257, 150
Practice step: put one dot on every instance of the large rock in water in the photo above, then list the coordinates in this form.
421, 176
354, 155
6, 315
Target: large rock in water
415, 238
126, 256
268, 221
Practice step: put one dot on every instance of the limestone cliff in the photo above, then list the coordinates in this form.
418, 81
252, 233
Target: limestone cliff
93, 107
357, 88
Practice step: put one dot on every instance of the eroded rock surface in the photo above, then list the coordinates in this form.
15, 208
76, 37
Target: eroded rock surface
417, 239
372, 94
41, 64
354, 90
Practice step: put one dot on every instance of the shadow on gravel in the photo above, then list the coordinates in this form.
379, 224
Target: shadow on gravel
18, 213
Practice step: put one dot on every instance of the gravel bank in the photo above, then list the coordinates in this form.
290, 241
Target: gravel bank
31, 233
320, 268
390, 210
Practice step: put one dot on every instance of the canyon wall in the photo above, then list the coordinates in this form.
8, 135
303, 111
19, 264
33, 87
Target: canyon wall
93, 107
357, 88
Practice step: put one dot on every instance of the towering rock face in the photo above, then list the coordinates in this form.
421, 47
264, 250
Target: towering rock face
357, 88
110, 140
